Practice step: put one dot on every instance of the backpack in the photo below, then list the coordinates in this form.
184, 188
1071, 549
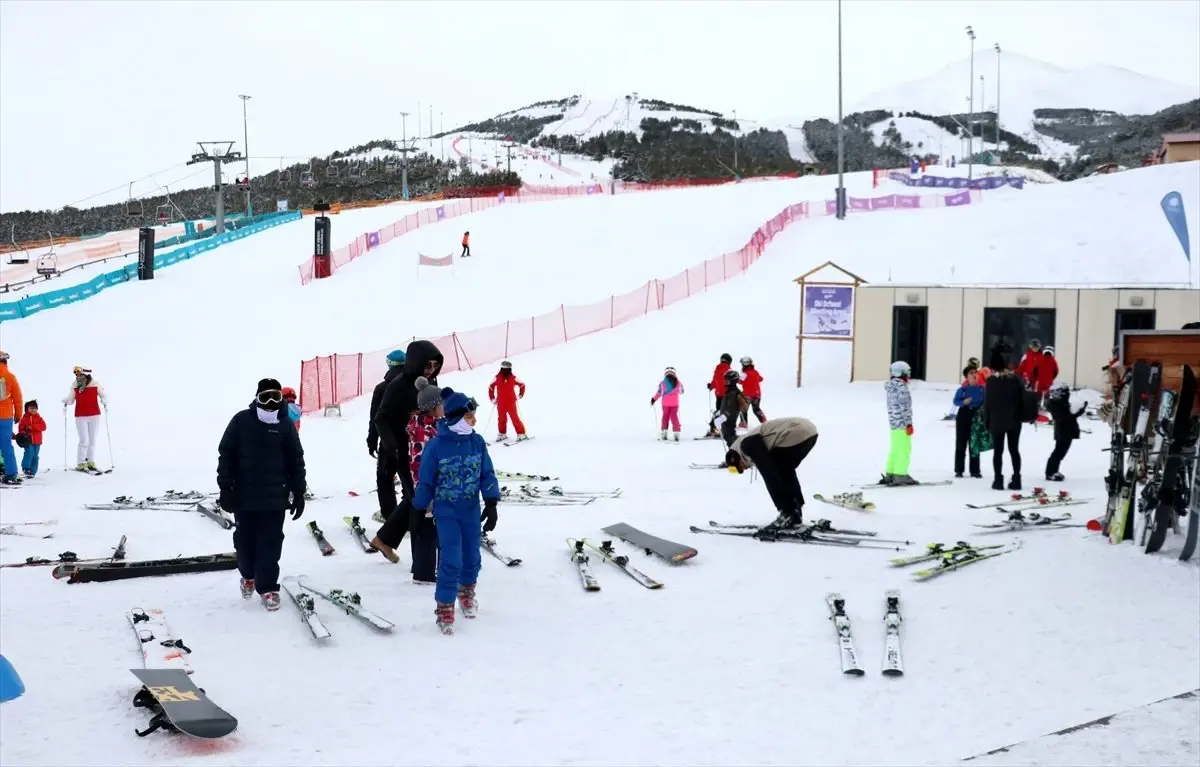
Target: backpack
1031, 405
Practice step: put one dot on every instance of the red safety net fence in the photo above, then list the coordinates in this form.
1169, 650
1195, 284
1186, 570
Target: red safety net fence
334, 379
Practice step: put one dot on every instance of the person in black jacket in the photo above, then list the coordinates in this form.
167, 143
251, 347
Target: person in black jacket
385, 470
399, 401
1003, 399
260, 473
1066, 427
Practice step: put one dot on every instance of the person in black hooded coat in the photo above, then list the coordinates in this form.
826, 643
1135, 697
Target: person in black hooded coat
399, 401
261, 476
1003, 399
385, 464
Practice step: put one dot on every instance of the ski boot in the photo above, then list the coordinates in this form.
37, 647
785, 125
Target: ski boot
1015, 483
247, 587
1055, 477
10, 479
445, 617
501, 437
663, 436
522, 437
900, 480
270, 600
887, 479
676, 436
467, 602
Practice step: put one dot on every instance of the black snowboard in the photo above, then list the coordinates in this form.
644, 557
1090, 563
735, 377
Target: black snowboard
179, 705
119, 571
1173, 494
668, 550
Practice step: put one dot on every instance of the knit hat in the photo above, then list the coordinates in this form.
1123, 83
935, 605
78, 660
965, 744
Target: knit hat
396, 357
458, 405
268, 384
428, 397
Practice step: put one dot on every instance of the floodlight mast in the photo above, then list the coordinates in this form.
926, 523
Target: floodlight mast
218, 153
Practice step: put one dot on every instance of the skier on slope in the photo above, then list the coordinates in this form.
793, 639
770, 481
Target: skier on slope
752, 388
504, 391
900, 417
261, 477
777, 448
717, 386
398, 402
88, 397
668, 391
733, 406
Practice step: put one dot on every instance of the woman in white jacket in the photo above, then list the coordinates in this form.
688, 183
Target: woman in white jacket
88, 397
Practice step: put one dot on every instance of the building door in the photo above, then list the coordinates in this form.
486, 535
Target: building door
1012, 330
1132, 319
910, 330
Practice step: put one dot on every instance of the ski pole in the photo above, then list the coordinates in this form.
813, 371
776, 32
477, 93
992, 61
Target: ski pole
64, 463
112, 462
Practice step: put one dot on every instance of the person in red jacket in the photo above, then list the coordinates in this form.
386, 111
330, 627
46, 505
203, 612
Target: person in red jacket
88, 397
29, 437
717, 387
504, 391
752, 389
1033, 355
1044, 372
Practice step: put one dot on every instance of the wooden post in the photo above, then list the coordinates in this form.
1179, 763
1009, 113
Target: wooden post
852, 282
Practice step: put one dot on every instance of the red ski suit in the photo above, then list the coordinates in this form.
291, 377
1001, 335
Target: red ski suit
717, 384
751, 382
505, 391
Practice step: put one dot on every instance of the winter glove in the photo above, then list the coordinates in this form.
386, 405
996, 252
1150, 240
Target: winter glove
488, 518
227, 500
652, 401
908, 430
373, 448
710, 385
297, 505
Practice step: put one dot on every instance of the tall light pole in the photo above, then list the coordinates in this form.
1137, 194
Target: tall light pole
404, 155
735, 139
997, 47
971, 107
442, 131
246, 149
841, 130
431, 126
982, 108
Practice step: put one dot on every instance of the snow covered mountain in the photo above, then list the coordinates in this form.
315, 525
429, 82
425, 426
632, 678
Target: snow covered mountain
1028, 84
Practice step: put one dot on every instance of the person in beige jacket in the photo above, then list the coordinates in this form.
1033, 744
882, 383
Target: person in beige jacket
777, 448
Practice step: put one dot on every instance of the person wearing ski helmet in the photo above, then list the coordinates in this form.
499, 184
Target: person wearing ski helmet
1066, 427
668, 391
504, 391
717, 386
293, 408
900, 422
752, 388
733, 407
88, 397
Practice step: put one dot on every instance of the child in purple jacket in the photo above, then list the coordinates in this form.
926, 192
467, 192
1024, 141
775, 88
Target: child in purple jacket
669, 391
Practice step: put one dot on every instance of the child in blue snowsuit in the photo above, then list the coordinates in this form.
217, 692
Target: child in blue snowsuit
455, 470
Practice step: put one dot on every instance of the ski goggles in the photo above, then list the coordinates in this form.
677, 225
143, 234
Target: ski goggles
269, 397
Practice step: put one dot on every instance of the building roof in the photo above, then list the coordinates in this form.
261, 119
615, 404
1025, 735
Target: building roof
1182, 138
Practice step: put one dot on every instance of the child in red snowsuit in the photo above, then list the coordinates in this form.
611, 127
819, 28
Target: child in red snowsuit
717, 387
504, 391
752, 389
29, 436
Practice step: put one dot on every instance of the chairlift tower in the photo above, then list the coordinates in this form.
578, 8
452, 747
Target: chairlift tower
246, 149
508, 146
404, 150
218, 153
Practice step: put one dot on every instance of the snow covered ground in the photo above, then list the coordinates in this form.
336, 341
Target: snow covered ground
733, 662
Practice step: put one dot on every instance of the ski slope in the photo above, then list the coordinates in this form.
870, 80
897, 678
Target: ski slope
733, 662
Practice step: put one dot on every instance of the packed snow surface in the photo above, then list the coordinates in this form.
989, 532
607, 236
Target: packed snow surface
733, 662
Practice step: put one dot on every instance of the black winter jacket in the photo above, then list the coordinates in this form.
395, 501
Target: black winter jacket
400, 395
1066, 422
261, 464
1003, 396
376, 400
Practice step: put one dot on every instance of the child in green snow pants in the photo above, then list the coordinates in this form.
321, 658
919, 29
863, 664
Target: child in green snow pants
899, 452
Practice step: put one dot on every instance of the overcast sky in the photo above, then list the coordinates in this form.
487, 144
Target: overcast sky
96, 94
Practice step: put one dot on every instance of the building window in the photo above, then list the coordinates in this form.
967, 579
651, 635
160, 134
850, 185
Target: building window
1131, 319
1012, 329
910, 336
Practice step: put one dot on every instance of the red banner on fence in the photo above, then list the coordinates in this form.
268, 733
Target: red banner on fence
337, 378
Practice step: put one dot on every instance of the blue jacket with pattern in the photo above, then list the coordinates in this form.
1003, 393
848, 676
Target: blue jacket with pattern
455, 470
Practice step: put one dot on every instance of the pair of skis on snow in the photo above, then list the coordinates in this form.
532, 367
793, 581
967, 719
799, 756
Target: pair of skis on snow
893, 659
356, 530
820, 532
952, 558
302, 592
578, 548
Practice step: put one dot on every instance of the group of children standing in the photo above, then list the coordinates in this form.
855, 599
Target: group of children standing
733, 403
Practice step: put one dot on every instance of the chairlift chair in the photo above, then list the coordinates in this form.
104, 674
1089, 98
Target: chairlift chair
242, 183
47, 264
133, 206
18, 255
355, 171
331, 172
285, 177
390, 168
163, 214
